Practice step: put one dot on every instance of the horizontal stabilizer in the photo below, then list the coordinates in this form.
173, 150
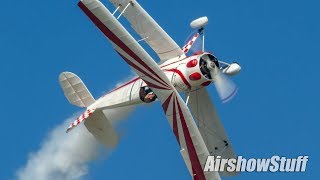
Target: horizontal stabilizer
98, 125
81, 118
101, 128
75, 90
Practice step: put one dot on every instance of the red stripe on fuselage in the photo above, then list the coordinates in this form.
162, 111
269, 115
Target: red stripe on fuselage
126, 84
185, 81
173, 63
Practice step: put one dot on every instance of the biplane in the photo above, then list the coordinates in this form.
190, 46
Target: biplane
193, 119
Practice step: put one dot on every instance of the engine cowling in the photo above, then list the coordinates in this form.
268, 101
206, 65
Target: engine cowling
191, 72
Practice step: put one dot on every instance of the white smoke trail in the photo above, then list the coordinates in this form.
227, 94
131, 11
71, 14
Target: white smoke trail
61, 156
66, 156
131, 76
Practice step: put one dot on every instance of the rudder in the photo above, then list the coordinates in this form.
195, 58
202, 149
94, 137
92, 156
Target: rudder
75, 90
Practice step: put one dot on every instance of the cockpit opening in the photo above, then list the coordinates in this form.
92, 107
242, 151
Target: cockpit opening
146, 95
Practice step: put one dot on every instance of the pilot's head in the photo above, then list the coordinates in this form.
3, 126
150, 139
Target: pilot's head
150, 97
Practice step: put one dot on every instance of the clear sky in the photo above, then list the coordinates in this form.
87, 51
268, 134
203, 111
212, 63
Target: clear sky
276, 111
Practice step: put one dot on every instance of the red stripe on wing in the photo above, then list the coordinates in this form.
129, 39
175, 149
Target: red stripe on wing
108, 33
195, 162
139, 69
166, 103
156, 86
165, 106
175, 122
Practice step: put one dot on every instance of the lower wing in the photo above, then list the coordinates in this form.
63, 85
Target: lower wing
210, 126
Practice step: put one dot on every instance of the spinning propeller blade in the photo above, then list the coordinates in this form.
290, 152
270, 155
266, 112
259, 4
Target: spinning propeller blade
225, 87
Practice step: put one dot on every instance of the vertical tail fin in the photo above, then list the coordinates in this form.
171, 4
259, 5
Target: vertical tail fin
75, 90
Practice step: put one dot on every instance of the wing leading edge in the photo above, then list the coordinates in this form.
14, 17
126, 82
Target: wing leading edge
192, 145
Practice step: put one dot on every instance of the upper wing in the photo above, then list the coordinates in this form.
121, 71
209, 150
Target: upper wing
149, 29
210, 125
178, 114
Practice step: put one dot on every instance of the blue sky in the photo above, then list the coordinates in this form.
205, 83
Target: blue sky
274, 113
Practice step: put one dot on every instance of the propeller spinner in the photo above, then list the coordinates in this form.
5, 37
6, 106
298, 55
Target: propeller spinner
225, 87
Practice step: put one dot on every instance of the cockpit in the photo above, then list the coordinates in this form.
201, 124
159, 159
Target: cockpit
147, 95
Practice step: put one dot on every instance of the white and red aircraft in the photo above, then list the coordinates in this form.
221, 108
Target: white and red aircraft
197, 128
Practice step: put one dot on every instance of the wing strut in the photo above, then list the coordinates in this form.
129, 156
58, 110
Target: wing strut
116, 10
124, 10
188, 98
145, 26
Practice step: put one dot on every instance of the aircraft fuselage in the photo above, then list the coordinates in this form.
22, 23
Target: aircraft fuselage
185, 74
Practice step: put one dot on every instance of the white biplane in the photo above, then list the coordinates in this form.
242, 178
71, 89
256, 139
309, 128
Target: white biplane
197, 128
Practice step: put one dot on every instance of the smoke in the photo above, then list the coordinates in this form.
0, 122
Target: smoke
131, 76
117, 114
64, 156
61, 156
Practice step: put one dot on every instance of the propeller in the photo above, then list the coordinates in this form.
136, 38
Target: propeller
225, 87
